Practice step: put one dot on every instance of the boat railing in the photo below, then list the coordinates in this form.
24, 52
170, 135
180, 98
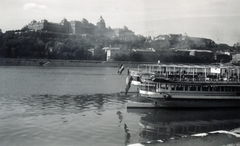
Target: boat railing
196, 78
181, 72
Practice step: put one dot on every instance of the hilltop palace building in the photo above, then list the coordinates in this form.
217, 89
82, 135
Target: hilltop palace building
80, 28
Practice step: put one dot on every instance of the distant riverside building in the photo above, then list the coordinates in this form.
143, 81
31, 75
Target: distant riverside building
121, 33
111, 52
80, 28
194, 52
148, 50
96, 52
101, 23
169, 37
44, 25
185, 41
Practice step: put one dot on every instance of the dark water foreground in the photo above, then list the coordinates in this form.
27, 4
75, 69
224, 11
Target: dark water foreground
61, 120
82, 107
103, 119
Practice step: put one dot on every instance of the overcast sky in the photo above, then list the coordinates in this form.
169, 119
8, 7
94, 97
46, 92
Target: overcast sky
215, 19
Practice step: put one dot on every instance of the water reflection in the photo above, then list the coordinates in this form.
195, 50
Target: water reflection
120, 117
127, 134
164, 124
69, 103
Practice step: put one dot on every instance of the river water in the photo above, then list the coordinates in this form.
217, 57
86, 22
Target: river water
81, 106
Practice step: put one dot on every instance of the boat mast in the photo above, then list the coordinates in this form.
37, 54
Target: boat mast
193, 74
205, 72
238, 73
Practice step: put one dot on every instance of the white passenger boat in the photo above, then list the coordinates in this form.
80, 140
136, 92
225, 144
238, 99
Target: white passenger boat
188, 85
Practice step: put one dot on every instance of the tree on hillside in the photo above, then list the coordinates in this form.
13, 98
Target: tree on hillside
81, 54
138, 42
49, 48
39, 49
237, 47
223, 48
160, 45
121, 57
57, 50
138, 57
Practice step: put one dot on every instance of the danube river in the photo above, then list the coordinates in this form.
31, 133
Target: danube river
81, 106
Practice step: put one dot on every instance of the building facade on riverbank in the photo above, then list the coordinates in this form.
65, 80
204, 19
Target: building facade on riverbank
80, 28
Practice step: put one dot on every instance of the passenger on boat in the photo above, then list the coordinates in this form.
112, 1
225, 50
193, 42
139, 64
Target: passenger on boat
128, 84
121, 68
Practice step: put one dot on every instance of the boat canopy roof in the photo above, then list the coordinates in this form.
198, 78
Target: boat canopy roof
190, 68
190, 65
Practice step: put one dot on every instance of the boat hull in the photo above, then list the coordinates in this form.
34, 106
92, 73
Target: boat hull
191, 100
195, 103
190, 95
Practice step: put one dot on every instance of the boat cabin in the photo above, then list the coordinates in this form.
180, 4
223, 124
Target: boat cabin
169, 87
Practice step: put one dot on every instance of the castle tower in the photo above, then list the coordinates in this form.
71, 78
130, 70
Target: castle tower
101, 23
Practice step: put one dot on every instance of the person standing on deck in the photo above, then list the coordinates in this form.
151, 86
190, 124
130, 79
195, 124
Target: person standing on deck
121, 68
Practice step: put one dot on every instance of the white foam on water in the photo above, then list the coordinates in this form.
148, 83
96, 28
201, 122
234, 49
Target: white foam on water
200, 134
136, 144
237, 130
225, 132
160, 140
148, 142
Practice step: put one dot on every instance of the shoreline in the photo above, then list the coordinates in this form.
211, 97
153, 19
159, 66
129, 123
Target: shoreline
66, 63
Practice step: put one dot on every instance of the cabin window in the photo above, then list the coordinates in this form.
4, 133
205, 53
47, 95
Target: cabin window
218, 88
198, 88
152, 88
157, 86
237, 88
186, 87
173, 87
210, 88
179, 88
228, 89
233, 88
222, 89
149, 87
145, 87
192, 88
205, 88
163, 86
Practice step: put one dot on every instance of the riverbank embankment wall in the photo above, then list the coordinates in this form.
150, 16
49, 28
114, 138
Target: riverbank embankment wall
65, 63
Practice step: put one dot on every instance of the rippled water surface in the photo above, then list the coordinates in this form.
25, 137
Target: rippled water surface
82, 107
